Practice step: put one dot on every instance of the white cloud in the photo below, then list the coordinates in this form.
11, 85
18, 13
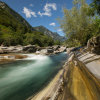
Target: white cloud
29, 13
59, 30
47, 9
39, 13
31, 5
52, 24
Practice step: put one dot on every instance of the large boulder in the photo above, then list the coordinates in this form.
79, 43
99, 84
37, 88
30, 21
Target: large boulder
15, 49
50, 50
29, 49
69, 50
4, 49
93, 45
46, 51
56, 47
1, 51
62, 49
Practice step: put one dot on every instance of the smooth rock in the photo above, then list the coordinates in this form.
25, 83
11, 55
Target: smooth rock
29, 49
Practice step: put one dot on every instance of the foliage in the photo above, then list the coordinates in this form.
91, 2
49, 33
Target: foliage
57, 42
38, 38
73, 43
9, 37
96, 26
78, 26
95, 7
76, 22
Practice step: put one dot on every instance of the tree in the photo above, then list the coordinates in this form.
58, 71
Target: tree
76, 23
57, 42
94, 11
95, 7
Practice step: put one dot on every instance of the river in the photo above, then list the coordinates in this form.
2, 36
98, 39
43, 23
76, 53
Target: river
23, 78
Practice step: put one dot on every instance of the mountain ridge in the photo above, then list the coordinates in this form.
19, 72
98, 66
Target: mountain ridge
46, 31
18, 17
15, 30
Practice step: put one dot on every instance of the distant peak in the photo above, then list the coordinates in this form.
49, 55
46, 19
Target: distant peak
41, 26
2, 4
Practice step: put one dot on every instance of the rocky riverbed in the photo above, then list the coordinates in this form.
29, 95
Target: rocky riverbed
12, 53
33, 49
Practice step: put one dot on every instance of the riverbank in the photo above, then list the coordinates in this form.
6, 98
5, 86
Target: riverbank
81, 83
49, 90
12, 53
33, 49
75, 81
53, 88
7, 58
27, 76
11, 57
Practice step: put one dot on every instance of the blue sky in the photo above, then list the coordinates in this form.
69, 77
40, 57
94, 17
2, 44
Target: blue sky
41, 12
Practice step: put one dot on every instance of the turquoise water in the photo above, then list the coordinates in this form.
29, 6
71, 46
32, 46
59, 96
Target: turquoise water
23, 78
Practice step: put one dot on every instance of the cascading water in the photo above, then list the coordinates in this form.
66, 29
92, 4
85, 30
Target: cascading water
23, 78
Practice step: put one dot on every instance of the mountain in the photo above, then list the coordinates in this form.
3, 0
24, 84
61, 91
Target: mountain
9, 17
15, 30
49, 33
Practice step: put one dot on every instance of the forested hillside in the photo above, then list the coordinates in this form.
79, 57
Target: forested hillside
15, 30
46, 31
